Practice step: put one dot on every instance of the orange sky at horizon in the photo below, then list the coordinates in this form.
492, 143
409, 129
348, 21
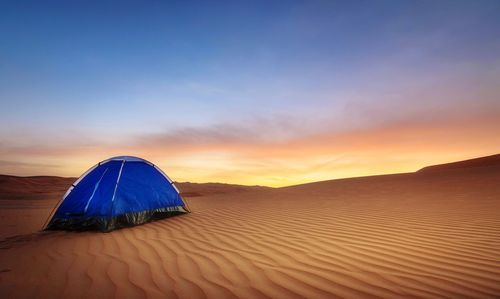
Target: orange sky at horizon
242, 93
392, 148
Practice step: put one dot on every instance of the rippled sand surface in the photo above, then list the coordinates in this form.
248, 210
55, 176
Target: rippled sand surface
428, 235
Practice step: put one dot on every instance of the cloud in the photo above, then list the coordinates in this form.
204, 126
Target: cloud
273, 152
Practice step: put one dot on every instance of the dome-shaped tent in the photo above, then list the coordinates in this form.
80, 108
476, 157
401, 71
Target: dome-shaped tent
118, 192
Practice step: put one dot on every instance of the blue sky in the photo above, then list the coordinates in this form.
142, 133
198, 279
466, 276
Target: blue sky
109, 74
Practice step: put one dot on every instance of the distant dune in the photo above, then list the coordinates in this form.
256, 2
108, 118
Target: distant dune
488, 161
13, 186
46, 186
430, 234
197, 189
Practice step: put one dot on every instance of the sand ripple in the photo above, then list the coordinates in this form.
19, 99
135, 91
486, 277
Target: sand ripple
390, 237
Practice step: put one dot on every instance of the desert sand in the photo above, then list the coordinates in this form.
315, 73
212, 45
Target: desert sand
430, 234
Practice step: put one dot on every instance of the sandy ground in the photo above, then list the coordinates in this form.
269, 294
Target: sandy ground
430, 234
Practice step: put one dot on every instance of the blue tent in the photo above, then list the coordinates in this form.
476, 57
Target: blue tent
118, 192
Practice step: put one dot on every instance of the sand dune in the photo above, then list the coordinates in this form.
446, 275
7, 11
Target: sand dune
426, 234
488, 161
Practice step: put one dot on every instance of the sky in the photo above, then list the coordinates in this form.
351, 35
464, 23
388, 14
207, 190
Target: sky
249, 92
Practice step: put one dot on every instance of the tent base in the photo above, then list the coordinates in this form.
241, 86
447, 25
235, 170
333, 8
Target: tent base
107, 224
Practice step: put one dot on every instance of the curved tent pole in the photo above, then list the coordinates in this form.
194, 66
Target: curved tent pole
67, 193
173, 185
54, 209
124, 159
183, 200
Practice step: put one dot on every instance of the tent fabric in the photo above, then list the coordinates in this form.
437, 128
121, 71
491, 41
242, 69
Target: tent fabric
118, 192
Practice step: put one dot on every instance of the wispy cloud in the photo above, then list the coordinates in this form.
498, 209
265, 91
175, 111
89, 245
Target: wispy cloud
273, 96
248, 153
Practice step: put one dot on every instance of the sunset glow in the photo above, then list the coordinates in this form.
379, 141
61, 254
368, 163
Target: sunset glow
308, 92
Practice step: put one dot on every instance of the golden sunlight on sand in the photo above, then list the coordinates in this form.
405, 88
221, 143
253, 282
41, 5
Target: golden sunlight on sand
430, 234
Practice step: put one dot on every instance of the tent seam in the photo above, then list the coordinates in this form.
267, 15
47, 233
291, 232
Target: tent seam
93, 193
116, 188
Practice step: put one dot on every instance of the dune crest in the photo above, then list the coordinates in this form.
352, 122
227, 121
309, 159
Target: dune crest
396, 236
488, 161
